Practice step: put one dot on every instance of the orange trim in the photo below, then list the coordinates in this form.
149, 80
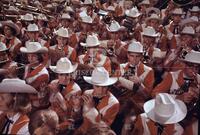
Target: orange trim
35, 71
23, 120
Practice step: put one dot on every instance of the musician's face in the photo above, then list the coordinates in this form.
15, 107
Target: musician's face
32, 58
186, 39
148, 41
65, 22
61, 40
3, 56
99, 91
153, 23
114, 35
5, 101
191, 69
64, 78
92, 51
134, 58
33, 35
7, 31
176, 18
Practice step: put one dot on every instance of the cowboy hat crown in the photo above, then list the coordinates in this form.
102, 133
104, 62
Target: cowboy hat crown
42, 17
114, 26
62, 32
135, 47
153, 16
63, 66
150, 32
27, 17
91, 41
32, 28
192, 57
87, 19
65, 16
132, 12
178, 11
144, 2
188, 30
100, 77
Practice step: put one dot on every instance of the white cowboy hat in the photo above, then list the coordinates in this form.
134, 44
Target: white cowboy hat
153, 10
165, 109
32, 28
68, 9
178, 11
195, 9
27, 17
188, 30
12, 25
153, 17
192, 57
91, 41
150, 32
100, 77
33, 47
87, 19
42, 17
157, 53
3, 47
16, 86
110, 8
135, 47
13, 9
64, 66
114, 26
65, 16
193, 19
144, 2
133, 12
62, 32
87, 2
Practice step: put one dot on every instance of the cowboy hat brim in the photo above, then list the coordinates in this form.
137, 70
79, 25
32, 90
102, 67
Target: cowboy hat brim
127, 13
67, 71
179, 114
193, 61
16, 86
110, 81
41, 50
4, 61
148, 35
87, 45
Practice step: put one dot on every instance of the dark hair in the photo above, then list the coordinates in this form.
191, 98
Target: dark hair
21, 103
40, 57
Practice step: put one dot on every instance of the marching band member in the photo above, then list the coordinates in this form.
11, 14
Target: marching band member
36, 73
62, 48
161, 116
99, 103
15, 104
10, 31
65, 97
